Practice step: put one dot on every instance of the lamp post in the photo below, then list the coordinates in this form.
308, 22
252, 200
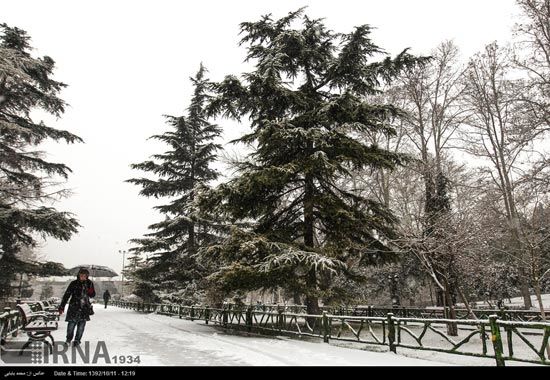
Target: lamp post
122, 273
395, 302
20, 284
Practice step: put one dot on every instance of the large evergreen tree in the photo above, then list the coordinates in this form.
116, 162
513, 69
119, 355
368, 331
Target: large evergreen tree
181, 172
26, 85
305, 100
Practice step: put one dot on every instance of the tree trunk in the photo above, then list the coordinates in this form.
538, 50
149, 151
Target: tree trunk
191, 240
542, 311
431, 293
524, 288
312, 301
466, 303
452, 328
439, 298
296, 297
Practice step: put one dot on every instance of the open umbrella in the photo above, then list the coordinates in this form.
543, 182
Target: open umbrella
95, 270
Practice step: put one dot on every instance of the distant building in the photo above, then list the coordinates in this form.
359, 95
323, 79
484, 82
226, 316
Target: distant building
59, 285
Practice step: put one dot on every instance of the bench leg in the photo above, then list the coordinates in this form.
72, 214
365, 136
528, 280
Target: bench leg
50, 347
51, 338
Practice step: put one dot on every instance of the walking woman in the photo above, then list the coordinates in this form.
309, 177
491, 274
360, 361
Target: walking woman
79, 292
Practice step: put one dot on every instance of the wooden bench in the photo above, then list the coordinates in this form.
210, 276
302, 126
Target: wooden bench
50, 311
37, 325
429, 312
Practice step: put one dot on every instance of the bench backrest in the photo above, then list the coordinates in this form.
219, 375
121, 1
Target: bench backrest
25, 311
35, 306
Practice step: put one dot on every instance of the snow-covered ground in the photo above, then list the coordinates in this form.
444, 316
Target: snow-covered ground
518, 302
162, 340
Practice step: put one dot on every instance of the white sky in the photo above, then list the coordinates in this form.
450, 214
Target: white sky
127, 63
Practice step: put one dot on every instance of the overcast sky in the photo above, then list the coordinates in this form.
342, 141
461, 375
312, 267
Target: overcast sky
127, 63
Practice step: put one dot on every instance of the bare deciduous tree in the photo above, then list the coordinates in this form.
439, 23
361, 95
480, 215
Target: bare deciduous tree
499, 130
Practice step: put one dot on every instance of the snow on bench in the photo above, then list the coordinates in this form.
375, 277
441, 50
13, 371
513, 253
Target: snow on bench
37, 325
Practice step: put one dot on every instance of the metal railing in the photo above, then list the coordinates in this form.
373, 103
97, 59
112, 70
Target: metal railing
10, 323
485, 338
413, 312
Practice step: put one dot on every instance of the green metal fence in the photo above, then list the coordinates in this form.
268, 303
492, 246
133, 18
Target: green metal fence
485, 338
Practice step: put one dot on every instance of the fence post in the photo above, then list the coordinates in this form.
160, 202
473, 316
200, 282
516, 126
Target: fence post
280, 318
497, 340
248, 320
506, 316
225, 313
192, 314
179, 311
483, 339
326, 327
391, 333
206, 314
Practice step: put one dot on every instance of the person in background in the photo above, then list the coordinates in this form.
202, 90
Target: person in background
78, 296
106, 297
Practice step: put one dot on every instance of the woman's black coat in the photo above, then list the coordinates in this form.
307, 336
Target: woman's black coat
79, 293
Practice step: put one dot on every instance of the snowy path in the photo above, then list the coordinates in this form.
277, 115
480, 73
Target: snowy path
162, 340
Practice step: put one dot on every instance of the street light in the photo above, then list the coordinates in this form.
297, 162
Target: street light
122, 273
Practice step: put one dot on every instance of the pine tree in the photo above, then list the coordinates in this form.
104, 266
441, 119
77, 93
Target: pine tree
25, 176
305, 100
181, 172
134, 264
47, 292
